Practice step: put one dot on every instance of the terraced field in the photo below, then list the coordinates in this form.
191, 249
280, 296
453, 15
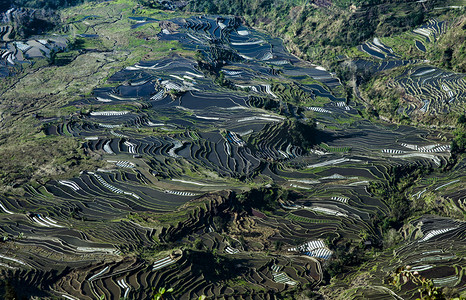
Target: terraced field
17, 53
183, 137
426, 90
433, 90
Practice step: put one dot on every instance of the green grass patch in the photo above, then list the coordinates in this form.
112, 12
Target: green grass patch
334, 149
307, 220
44, 192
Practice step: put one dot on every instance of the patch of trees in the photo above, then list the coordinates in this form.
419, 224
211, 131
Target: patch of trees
264, 198
221, 80
219, 55
5, 5
212, 266
458, 145
299, 133
8, 291
35, 16
30, 21
376, 20
304, 134
450, 50
152, 4
212, 61
191, 219
46, 4
383, 94
240, 7
424, 286
14, 287
264, 103
347, 3
280, 107
230, 7
35, 25
345, 255
392, 191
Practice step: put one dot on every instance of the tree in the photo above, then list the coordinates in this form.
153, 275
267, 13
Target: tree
162, 291
425, 286
4, 5
10, 292
458, 145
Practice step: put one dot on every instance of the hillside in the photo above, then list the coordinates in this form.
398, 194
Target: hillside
332, 33
277, 149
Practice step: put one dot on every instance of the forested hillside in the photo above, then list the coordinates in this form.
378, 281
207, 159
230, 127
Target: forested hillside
42, 4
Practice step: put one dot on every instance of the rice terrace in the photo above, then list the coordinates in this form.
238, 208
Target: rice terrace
276, 149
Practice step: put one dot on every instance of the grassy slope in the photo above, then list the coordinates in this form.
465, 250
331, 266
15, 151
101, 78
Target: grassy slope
450, 50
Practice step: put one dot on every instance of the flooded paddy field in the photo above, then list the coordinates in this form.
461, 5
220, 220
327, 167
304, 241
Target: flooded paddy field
196, 125
179, 142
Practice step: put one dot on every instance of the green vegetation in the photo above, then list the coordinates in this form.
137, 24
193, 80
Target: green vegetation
8, 291
4, 5
264, 198
47, 4
458, 145
334, 149
159, 294
393, 193
73, 73
321, 33
450, 50
41, 159
345, 256
425, 287
325, 32
212, 266
306, 220
204, 187
297, 132
383, 100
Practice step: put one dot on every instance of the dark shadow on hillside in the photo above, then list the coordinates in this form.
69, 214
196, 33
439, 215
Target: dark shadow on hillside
215, 267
